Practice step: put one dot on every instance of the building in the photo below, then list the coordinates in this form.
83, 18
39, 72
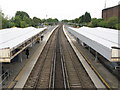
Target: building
111, 12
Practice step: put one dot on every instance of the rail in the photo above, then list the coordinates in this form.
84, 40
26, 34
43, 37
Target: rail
35, 85
65, 75
58, 50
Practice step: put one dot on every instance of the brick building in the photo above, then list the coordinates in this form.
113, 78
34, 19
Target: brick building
111, 12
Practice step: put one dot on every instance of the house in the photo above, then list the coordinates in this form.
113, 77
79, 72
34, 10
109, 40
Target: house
111, 12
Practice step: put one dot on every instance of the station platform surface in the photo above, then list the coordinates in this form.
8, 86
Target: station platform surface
21, 78
97, 82
109, 79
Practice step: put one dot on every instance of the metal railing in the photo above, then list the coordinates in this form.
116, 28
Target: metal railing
4, 76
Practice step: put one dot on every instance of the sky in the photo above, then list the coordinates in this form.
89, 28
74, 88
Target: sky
61, 9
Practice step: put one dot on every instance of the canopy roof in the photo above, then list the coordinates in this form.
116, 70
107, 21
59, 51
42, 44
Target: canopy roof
105, 36
12, 37
100, 39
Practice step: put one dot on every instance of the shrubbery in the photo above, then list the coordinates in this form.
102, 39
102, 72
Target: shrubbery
22, 20
82, 20
110, 23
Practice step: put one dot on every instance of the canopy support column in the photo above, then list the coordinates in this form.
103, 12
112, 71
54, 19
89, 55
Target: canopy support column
96, 56
20, 57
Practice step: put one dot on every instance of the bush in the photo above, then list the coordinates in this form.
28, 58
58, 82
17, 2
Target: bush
103, 24
118, 26
112, 22
94, 22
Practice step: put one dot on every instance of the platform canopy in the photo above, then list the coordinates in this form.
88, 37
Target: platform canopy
14, 40
12, 37
100, 39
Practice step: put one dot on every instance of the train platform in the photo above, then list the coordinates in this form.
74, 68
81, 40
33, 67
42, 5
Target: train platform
109, 80
28, 64
106, 76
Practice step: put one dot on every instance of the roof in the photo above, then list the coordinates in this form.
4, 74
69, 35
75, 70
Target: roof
10, 38
111, 7
106, 37
100, 39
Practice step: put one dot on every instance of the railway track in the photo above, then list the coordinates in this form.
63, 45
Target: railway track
58, 67
40, 75
58, 78
78, 78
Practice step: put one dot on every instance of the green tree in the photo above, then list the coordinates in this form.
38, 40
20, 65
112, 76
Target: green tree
43, 20
103, 23
65, 20
95, 22
22, 14
27, 20
5, 23
112, 22
1, 16
55, 20
76, 20
11, 24
87, 17
17, 20
117, 26
51, 21
82, 19
22, 18
23, 24
36, 21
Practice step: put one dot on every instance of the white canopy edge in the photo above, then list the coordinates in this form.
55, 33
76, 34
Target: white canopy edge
100, 39
10, 38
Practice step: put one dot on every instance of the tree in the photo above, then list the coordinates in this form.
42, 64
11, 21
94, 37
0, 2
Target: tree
55, 20
22, 14
11, 24
76, 20
102, 23
1, 16
5, 23
112, 22
95, 22
23, 24
36, 21
43, 20
87, 17
82, 19
22, 18
65, 20
17, 20
51, 21
27, 20
117, 26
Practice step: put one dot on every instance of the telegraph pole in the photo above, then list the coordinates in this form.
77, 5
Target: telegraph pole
105, 4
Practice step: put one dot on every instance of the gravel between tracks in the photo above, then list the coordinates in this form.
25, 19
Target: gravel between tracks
40, 75
78, 78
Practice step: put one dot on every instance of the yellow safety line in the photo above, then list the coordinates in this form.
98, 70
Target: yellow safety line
96, 71
106, 84
17, 77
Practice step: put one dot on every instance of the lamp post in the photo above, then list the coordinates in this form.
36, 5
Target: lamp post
105, 4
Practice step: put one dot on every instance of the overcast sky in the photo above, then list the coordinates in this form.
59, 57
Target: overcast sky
61, 9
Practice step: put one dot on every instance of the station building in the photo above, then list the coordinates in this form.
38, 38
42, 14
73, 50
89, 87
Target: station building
111, 12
